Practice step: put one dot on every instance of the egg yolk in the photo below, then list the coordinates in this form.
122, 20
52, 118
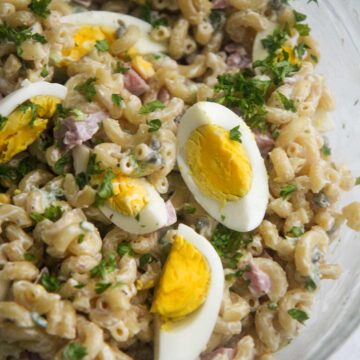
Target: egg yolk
20, 131
291, 55
219, 165
85, 39
184, 282
130, 197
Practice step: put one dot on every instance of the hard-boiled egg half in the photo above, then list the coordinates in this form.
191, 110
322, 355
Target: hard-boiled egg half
24, 115
136, 206
221, 164
93, 26
188, 297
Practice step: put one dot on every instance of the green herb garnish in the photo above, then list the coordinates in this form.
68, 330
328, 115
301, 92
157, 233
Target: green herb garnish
106, 266
235, 134
52, 213
29, 257
326, 150
63, 162
106, 188
154, 125
50, 282
217, 19
81, 238
87, 89
238, 273
357, 181
299, 17
151, 106
3, 120
102, 45
44, 72
296, 231
188, 209
287, 103
117, 99
287, 190
302, 29
146, 259
120, 68
40, 7
125, 249
102, 287
29, 105
74, 351
299, 315
243, 91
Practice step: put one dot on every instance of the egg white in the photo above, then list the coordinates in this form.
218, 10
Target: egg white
187, 338
145, 45
246, 213
259, 52
41, 88
151, 218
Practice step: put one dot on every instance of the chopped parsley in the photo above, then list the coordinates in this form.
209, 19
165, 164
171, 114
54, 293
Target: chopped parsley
8, 173
40, 7
101, 287
29, 105
52, 213
303, 29
235, 134
106, 266
3, 120
246, 93
326, 150
146, 259
227, 243
44, 71
106, 188
153, 125
29, 256
188, 209
120, 68
81, 238
238, 273
125, 249
149, 16
299, 17
50, 282
102, 45
18, 36
277, 71
287, 103
357, 181
81, 180
296, 231
117, 99
287, 190
61, 111
300, 50
272, 306
62, 163
137, 217
217, 19
310, 284
74, 351
87, 89
151, 106
273, 42
93, 168
299, 315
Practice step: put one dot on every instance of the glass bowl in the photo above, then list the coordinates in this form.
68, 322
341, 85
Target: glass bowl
336, 314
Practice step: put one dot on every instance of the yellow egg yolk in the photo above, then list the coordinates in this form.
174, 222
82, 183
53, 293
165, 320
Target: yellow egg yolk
184, 282
291, 55
85, 39
20, 130
130, 196
219, 165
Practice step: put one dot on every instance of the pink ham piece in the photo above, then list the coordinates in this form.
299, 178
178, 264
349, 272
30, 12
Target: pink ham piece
135, 83
260, 282
74, 132
264, 141
163, 95
171, 213
237, 56
220, 4
220, 354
